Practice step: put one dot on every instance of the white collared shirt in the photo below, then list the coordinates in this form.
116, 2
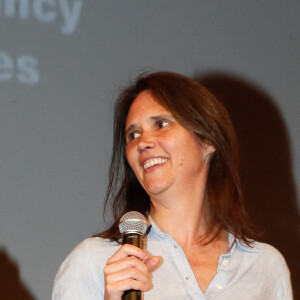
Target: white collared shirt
244, 273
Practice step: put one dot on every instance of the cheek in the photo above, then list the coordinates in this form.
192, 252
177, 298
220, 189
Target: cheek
169, 142
178, 151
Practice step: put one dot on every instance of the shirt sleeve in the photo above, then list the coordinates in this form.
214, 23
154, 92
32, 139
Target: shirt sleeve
79, 276
283, 286
286, 284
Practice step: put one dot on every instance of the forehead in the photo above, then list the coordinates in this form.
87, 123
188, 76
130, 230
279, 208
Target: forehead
144, 106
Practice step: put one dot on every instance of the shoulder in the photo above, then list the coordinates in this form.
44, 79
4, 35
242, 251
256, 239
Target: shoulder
275, 265
262, 258
262, 253
270, 265
90, 253
80, 276
265, 266
270, 255
95, 245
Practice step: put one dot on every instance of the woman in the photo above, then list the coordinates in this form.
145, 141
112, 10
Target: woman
175, 160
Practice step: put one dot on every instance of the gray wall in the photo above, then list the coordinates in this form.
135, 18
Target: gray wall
61, 65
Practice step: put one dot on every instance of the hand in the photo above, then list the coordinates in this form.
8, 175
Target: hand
129, 268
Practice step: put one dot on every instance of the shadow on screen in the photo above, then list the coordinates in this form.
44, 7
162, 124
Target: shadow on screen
12, 287
266, 164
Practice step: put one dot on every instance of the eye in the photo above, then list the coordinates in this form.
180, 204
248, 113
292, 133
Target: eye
133, 135
161, 124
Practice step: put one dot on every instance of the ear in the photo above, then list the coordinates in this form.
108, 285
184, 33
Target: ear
209, 148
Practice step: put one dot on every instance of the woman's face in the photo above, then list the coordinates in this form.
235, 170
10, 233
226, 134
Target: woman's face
163, 154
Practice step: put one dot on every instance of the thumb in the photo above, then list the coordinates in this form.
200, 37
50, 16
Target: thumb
152, 263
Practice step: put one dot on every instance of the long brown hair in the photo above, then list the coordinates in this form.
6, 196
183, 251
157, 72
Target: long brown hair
195, 108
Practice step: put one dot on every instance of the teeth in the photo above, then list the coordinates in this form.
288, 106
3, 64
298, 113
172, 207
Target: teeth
154, 161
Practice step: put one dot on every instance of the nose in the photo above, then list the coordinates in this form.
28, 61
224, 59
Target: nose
146, 142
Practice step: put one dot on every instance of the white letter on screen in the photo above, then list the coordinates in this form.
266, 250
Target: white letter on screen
42, 13
71, 13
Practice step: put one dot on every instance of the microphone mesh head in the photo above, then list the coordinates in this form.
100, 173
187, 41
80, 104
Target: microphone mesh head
133, 222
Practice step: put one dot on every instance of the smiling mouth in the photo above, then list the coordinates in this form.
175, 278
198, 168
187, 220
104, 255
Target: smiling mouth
153, 162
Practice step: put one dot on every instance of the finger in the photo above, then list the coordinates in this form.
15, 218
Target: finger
131, 273
124, 285
127, 250
125, 263
152, 263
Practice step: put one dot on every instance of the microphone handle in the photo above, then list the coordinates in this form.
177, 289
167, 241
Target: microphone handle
135, 240
132, 295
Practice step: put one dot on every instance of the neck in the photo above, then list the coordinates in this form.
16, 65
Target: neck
184, 217
182, 211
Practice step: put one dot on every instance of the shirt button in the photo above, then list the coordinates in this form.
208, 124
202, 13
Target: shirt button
225, 262
187, 278
219, 286
175, 247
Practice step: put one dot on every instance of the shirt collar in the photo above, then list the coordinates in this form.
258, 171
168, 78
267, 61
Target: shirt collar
241, 245
234, 243
154, 228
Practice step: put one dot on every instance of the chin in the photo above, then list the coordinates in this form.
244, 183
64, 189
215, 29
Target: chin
155, 188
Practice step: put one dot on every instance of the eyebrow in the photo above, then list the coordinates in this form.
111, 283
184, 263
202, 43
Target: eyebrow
133, 127
159, 117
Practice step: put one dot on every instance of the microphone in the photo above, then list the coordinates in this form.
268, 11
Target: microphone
133, 226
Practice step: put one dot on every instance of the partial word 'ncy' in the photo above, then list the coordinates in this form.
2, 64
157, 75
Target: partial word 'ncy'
46, 11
